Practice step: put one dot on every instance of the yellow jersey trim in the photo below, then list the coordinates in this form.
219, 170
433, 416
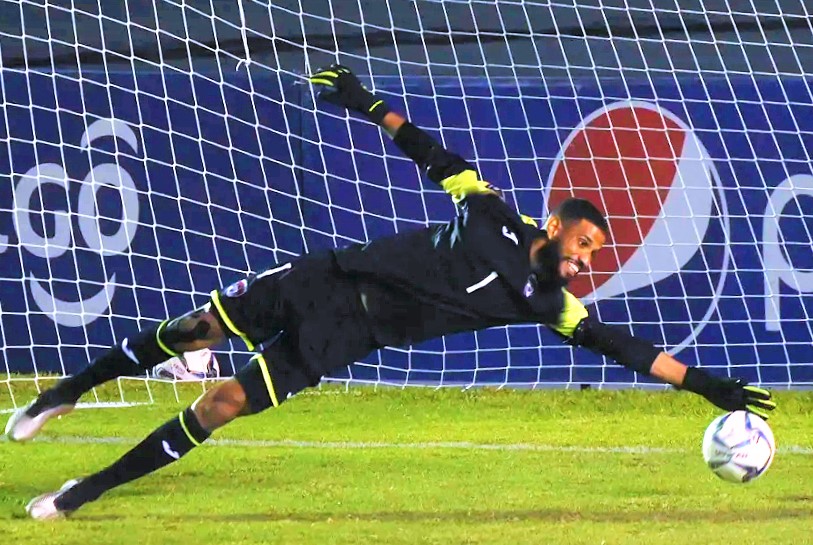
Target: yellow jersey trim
464, 184
529, 220
467, 183
572, 313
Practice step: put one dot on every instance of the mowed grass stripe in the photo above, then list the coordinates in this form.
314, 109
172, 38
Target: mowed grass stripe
290, 443
423, 467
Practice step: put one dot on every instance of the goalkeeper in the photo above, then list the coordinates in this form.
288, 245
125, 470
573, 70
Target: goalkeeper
305, 319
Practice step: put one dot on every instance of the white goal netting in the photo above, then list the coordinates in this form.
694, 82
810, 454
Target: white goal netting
156, 150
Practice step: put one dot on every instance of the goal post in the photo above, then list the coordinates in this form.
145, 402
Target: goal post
155, 151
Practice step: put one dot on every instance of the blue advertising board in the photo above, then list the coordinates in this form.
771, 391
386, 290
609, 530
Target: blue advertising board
127, 197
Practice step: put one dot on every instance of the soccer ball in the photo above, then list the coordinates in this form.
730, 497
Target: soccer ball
738, 446
197, 365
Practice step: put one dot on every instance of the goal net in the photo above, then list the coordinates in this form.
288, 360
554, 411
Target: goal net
156, 150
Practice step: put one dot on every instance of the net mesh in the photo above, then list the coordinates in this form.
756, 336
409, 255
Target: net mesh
155, 151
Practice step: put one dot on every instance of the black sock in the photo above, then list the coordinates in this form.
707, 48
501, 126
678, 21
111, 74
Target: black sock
162, 447
133, 356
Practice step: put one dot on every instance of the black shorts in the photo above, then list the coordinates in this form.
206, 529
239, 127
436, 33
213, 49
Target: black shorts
274, 375
305, 318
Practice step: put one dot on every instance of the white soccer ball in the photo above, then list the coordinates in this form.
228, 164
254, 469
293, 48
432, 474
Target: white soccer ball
197, 365
738, 446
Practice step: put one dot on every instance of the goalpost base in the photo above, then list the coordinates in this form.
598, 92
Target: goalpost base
16, 391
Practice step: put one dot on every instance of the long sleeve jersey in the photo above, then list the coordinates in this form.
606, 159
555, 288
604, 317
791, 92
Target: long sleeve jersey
470, 273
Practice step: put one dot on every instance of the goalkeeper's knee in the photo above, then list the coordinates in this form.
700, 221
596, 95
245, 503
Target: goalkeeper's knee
220, 405
135, 355
195, 330
192, 331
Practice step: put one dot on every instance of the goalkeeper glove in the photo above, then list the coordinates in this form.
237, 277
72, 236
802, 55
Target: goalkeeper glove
729, 394
341, 87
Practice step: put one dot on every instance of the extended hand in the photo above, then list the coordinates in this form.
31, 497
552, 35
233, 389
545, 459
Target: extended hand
341, 87
729, 394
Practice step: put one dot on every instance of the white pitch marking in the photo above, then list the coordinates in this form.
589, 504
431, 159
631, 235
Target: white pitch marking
364, 445
99, 405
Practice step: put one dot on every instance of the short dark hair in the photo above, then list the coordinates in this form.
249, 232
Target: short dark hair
572, 210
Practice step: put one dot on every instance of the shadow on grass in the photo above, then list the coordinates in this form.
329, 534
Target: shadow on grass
486, 517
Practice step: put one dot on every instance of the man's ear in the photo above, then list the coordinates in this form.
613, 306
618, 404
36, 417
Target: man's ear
553, 226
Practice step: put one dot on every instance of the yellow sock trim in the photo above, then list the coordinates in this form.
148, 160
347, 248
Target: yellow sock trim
161, 344
186, 430
374, 106
227, 320
267, 378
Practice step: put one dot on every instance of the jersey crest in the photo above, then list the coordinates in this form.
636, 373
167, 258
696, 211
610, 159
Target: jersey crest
237, 289
530, 287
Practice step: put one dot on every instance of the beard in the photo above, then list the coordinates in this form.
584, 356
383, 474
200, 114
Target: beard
545, 265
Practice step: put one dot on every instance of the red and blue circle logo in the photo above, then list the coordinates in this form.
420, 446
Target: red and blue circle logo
666, 261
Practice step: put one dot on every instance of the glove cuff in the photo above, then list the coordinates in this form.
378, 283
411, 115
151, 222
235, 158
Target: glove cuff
376, 110
698, 381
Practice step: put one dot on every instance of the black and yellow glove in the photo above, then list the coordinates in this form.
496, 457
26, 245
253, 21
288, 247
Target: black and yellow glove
729, 394
341, 87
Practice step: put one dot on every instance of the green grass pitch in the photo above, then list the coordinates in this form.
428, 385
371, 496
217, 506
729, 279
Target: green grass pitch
425, 466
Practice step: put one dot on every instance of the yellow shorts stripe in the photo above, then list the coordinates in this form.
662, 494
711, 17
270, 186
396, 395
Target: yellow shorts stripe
186, 430
226, 320
267, 379
161, 344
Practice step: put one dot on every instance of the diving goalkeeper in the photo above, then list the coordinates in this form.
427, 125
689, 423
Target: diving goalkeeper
319, 313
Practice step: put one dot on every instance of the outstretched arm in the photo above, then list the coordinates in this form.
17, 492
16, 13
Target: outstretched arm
392, 122
642, 356
455, 175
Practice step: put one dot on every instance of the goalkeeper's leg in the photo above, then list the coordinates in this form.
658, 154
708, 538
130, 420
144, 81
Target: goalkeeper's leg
258, 386
135, 355
170, 442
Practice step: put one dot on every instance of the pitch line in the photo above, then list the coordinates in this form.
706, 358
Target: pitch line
365, 445
93, 405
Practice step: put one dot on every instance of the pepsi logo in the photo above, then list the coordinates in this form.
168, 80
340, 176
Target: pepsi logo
667, 256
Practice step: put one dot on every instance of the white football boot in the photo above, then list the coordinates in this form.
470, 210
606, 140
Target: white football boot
26, 422
43, 507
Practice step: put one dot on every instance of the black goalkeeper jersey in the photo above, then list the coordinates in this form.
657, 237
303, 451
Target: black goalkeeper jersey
471, 273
